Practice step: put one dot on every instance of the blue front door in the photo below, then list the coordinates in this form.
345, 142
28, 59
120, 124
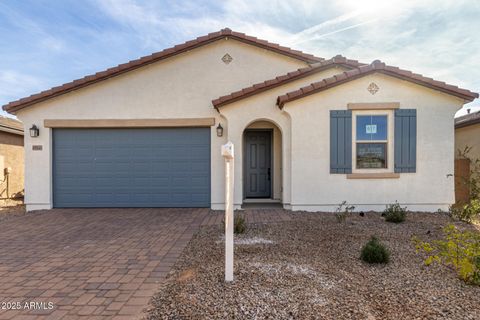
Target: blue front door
258, 168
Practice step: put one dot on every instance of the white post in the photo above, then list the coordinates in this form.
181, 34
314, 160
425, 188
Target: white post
227, 153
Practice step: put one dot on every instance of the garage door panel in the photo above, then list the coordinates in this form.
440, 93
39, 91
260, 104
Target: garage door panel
163, 167
200, 165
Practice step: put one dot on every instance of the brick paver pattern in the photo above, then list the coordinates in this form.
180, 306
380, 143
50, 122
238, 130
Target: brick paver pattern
96, 263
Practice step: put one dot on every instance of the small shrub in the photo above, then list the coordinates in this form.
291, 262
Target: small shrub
460, 250
239, 225
342, 211
468, 212
375, 252
395, 213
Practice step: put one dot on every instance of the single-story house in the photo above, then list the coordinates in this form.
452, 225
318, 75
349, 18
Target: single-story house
308, 132
467, 134
11, 158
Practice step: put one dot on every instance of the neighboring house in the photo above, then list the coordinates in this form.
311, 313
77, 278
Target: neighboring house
467, 134
308, 132
467, 139
11, 158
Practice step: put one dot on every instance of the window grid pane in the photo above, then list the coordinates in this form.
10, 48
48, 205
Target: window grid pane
371, 155
371, 128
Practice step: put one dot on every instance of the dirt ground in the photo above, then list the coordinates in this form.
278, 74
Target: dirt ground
309, 268
10, 208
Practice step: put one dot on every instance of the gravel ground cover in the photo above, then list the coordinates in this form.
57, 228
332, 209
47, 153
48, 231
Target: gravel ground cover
309, 268
11, 208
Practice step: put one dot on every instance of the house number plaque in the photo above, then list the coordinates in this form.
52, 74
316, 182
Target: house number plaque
37, 148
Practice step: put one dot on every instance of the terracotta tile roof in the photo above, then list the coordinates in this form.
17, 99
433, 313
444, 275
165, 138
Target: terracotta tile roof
380, 67
467, 120
11, 125
286, 78
164, 54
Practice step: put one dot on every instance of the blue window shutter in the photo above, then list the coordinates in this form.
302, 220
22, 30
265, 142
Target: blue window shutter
405, 140
340, 141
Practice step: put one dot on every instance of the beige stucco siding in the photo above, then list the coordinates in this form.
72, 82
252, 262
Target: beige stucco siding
183, 86
262, 107
430, 188
180, 87
468, 137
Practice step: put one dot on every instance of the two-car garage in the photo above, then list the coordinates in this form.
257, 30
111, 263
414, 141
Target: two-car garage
131, 167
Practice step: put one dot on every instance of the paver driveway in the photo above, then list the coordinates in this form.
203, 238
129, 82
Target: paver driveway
91, 263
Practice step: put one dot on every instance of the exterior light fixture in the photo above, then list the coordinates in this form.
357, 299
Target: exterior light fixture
219, 130
34, 131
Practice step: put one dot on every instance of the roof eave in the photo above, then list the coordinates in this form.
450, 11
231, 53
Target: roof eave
283, 99
17, 105
218, 105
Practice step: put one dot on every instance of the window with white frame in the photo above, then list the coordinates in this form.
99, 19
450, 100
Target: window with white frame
371, 138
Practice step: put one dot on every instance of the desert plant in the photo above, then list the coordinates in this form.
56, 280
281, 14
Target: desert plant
239, 225
342, 211
468, 212
395, 213
375, 252
458, 249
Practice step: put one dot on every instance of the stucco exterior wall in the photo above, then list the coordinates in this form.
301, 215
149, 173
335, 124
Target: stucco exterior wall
183, 87
179, 87
429, 189
262, 107
12, 156
468, 136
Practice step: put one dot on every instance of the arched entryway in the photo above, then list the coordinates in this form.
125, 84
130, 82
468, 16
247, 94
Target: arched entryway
262, 162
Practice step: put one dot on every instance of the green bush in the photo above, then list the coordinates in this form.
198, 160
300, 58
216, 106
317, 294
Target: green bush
342, 211
470, 211
460, 250
375, 252
395, 213
466, 213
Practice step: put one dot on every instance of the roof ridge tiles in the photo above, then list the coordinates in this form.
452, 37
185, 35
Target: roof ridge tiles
279, 80
379, 66
24, 102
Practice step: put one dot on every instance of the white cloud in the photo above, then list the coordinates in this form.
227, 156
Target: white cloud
14, 83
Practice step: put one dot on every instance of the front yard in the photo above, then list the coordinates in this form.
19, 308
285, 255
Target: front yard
309, 268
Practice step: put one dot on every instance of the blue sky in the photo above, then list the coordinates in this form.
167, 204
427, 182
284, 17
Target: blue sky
47, 43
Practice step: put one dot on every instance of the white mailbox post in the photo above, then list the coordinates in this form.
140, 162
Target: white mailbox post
227, 153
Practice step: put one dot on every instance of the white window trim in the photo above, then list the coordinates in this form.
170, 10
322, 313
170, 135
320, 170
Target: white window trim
390, 134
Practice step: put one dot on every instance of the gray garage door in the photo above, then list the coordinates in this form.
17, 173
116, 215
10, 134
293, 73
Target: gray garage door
161, 167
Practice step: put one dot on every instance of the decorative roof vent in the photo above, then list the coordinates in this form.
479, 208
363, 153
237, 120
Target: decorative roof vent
227, 58
373, 88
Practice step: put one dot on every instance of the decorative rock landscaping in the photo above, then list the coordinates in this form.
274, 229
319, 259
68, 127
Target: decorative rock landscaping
310, 269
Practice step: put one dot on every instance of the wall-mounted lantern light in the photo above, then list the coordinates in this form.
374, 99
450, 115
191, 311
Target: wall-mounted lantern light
34, 131
219, 130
